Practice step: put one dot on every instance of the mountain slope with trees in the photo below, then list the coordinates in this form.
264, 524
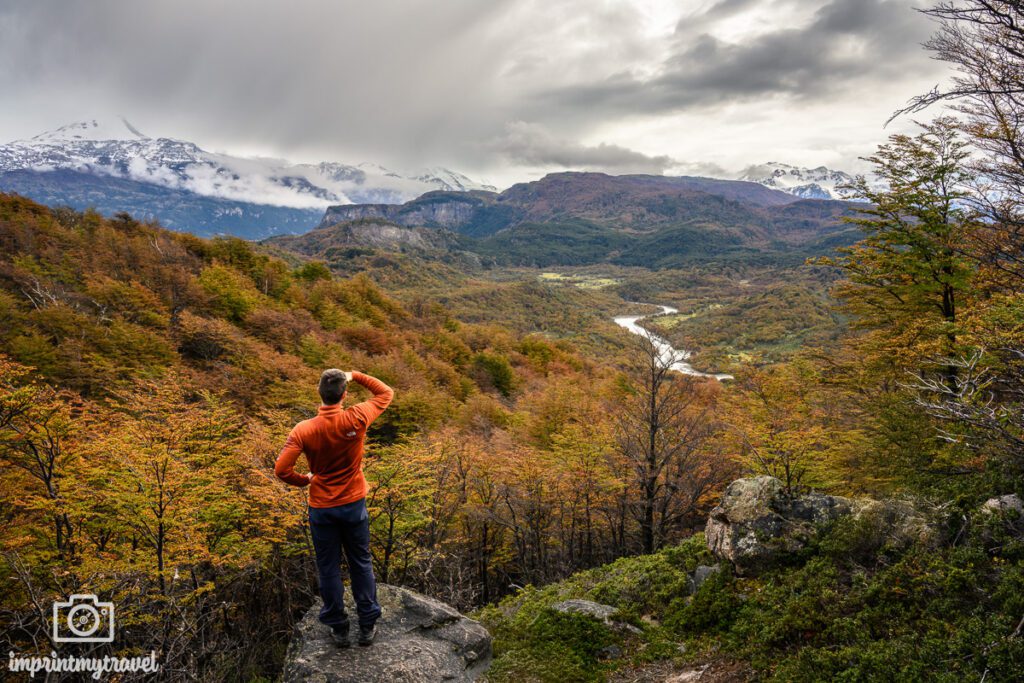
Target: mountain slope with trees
573, 219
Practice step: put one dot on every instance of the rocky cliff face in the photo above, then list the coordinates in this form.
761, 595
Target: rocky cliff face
355, 212
451, 210
368, 233
418, 640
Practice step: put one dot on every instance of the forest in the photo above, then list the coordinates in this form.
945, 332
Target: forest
148, 379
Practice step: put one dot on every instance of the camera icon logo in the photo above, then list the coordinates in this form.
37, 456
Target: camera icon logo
83, 619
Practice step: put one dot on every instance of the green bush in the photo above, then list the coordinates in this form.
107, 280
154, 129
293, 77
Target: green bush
556, 647
712, 609
850, 609
496, 371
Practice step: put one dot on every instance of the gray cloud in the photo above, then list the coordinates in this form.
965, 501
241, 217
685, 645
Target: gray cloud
413, 82
848, 45
533, 145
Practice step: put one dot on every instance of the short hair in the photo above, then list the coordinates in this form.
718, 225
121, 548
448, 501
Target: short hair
332, 386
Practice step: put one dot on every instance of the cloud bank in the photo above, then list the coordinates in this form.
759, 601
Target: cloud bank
533, 145
503, 90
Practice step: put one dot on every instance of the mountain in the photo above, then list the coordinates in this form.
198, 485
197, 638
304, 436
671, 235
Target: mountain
634, 201
806, 183
252, 197
581, 218
179, 210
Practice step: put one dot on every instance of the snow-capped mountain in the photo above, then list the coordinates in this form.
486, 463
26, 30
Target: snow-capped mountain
113, 166
807, 183
120, 150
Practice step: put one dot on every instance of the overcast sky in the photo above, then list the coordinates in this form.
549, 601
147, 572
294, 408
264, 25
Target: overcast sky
503, 90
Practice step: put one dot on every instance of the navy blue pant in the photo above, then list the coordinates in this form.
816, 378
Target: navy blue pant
345, 527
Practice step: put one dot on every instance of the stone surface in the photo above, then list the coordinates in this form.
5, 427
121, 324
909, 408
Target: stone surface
610, 652
588, 607
450, 210
756, 524
418, 639
701, 574
1003, 504
1000, 516
600, 612
688, 676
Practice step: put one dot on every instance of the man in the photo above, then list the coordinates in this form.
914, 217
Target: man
333, 444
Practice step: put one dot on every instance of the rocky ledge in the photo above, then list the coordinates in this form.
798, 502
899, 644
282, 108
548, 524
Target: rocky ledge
757, 525
418, 639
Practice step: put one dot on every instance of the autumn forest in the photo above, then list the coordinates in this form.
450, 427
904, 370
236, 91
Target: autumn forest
148, 379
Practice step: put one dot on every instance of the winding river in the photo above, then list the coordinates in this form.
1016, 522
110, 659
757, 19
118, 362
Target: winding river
668, 354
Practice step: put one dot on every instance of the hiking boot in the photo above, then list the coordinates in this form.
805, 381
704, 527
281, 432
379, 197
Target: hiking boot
366, 634
340, 636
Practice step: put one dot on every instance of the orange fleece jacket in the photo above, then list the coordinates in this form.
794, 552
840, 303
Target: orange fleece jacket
333, 444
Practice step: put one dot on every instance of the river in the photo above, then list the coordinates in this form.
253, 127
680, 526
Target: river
677, 357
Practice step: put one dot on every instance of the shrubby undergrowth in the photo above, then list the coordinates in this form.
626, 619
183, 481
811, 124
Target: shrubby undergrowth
839, 614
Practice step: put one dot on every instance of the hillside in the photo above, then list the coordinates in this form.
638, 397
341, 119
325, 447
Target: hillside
629, 201
125, 346
585, 218
147, 379
369, 233
850, 606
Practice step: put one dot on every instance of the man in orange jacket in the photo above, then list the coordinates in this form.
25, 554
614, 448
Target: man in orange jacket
333, 444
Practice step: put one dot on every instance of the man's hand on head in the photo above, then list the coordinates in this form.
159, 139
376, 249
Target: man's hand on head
348, 375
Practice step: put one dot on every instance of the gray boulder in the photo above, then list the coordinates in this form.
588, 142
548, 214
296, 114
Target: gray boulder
588, 607
756, 524
701, 574
999, 516
1010, 503
419, 639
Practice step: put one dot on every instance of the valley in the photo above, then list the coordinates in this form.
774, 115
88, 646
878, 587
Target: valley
675, 359
563, 255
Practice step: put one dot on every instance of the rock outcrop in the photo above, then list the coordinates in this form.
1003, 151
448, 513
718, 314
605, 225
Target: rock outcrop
603, 613
419, 639
1001, 519
452, 210
702, 574
1010, 504
756, 525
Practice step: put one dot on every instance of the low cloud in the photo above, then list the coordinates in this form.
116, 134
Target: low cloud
707, 169
531, 144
